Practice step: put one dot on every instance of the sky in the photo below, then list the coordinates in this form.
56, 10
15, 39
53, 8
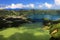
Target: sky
30, 4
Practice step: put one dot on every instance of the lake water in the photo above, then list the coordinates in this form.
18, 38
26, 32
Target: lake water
39, 21
40, 16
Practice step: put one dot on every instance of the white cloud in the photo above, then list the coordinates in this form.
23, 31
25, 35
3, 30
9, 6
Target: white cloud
57, 2
40, 6
20, 5
29, 6
13, 6
55, 5
32, 5
48, 5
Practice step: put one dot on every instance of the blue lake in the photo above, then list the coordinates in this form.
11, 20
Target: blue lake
39, 16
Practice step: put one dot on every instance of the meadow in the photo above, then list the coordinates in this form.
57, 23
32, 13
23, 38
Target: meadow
25, 32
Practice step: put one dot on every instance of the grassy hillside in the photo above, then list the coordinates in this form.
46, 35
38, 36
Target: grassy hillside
24, 33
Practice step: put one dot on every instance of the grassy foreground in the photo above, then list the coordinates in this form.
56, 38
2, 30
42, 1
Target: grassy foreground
24, 33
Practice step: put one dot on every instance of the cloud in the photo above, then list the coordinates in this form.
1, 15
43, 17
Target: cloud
40, 6
13, 6
20, 5
57, 2
55, 5
47, 5
29, 6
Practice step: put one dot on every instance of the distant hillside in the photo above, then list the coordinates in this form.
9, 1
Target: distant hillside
28, 12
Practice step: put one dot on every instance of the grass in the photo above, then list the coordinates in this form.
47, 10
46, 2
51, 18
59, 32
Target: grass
24, 33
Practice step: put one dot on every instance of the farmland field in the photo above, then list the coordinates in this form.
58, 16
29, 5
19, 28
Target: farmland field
25, 32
